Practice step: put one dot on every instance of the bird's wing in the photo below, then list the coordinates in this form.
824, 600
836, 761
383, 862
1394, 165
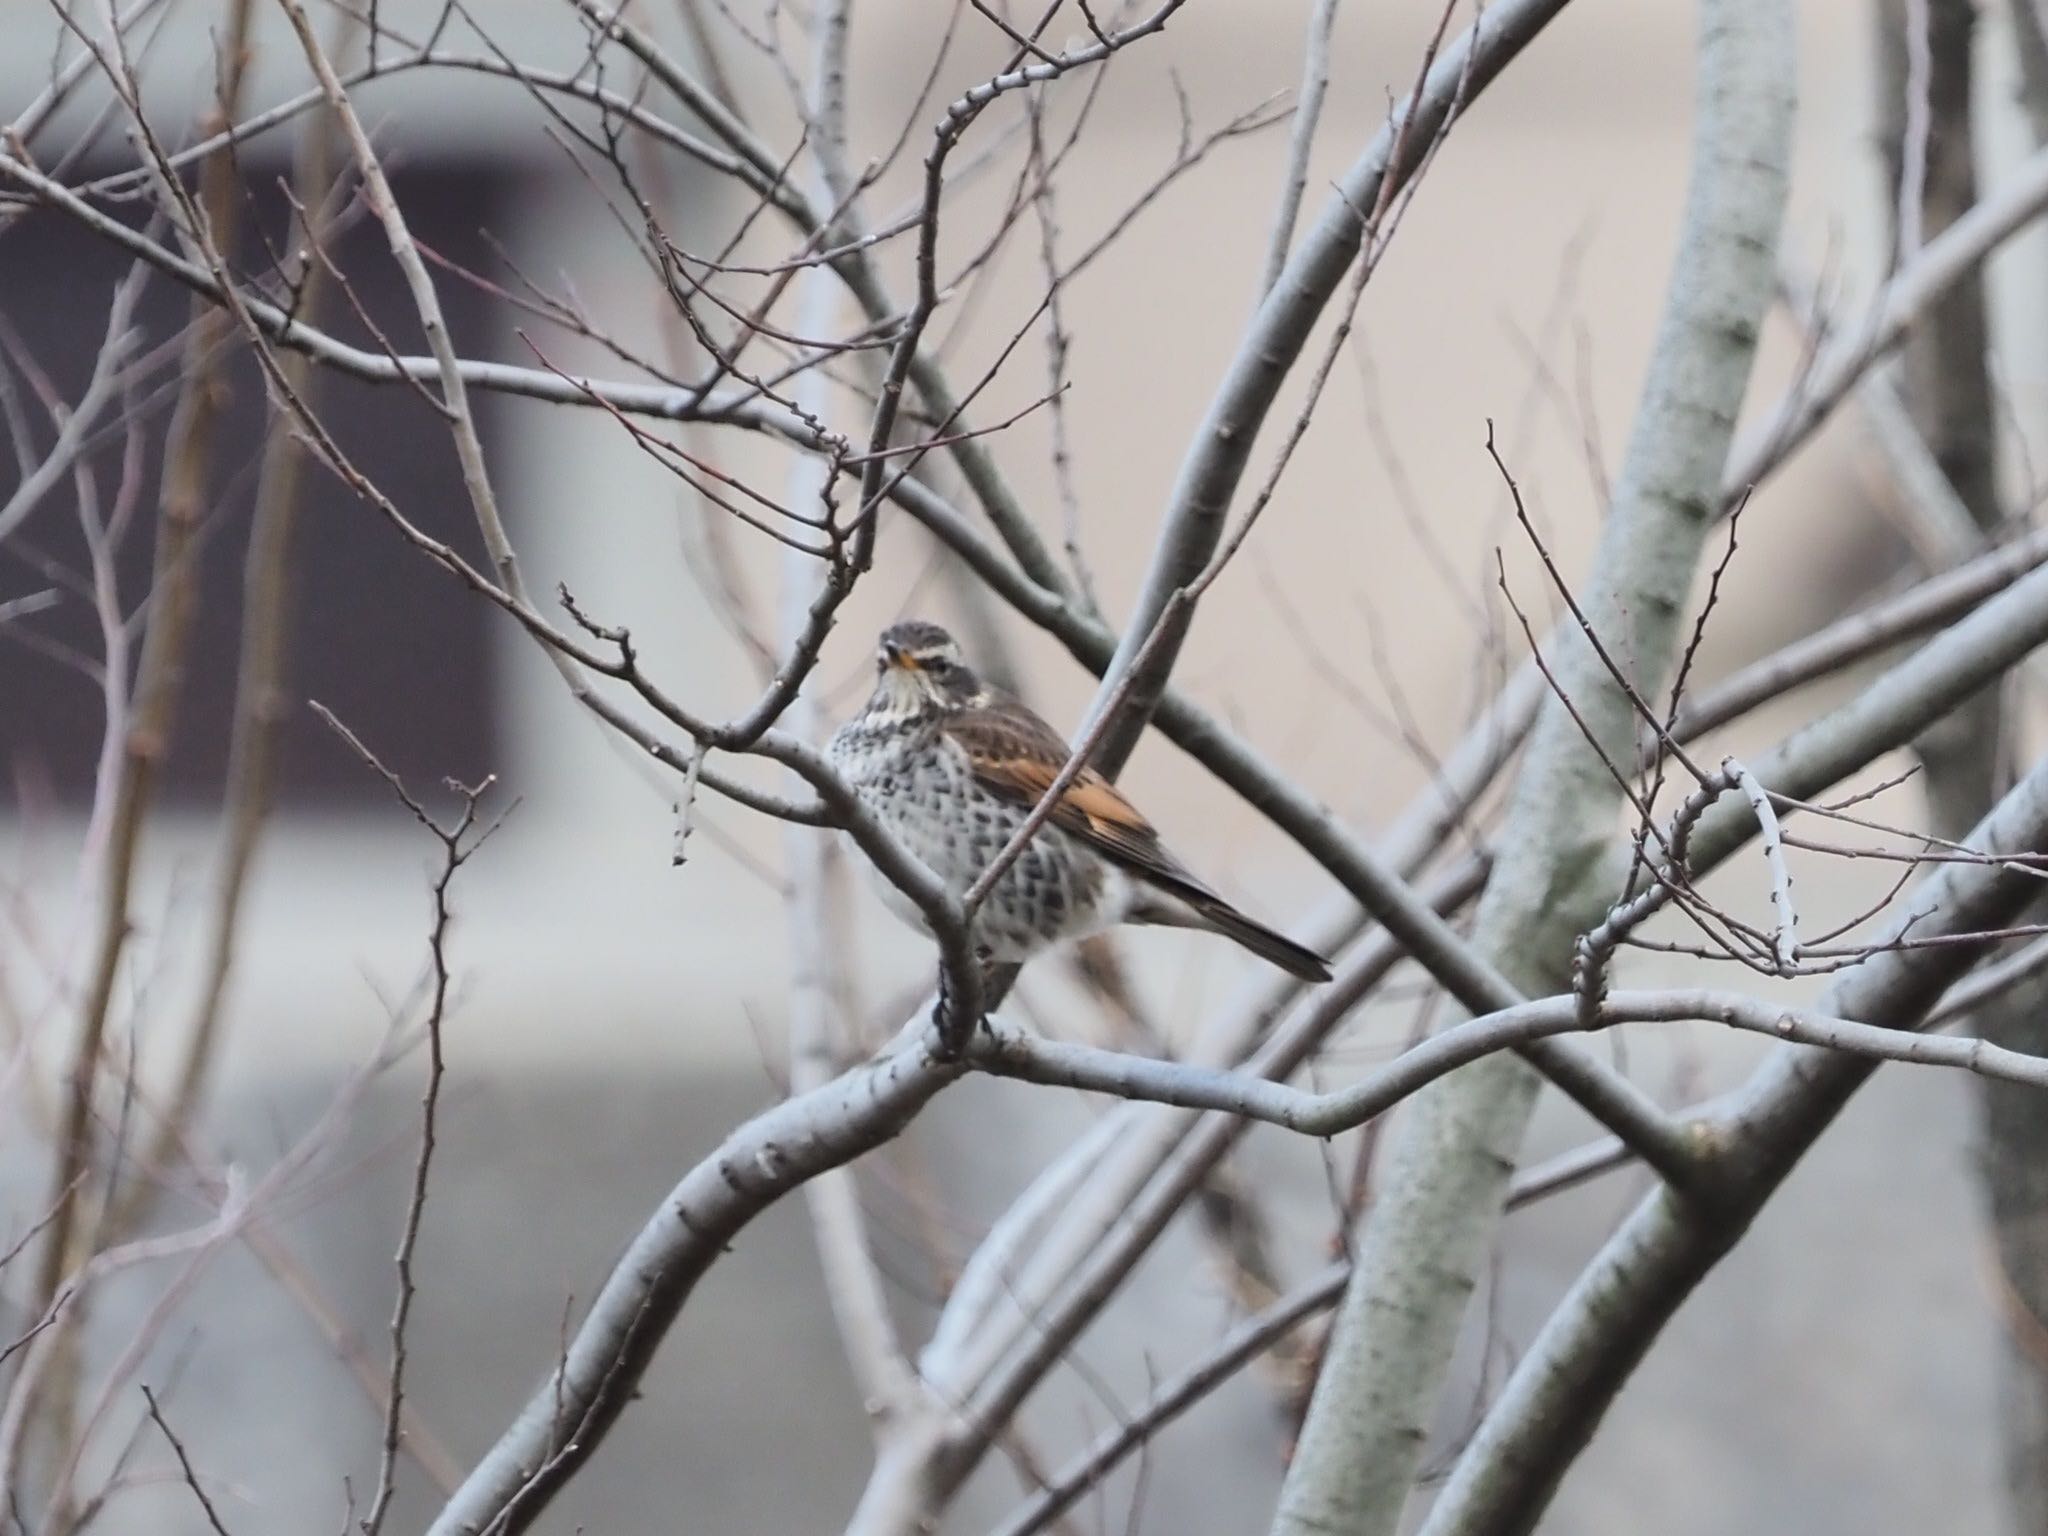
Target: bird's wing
1016, 756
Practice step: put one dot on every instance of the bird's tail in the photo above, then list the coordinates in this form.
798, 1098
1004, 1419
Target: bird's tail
1211, 912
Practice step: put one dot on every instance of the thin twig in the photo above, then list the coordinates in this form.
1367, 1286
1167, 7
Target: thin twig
459, 842
1785, 936
1308, 110
184, 1464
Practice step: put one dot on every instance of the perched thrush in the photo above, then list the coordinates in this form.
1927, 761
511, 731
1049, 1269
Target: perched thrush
954, 766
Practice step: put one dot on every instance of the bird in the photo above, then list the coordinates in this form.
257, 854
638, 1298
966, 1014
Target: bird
952, 766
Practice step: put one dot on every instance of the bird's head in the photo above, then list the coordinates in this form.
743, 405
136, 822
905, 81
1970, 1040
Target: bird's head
918, 666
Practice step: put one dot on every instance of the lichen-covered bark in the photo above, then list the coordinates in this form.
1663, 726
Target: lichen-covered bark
1560, 861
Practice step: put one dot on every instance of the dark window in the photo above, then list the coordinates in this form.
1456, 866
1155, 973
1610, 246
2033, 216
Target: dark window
394, 646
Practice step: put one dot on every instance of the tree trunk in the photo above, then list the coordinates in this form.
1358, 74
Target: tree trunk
1949, 393
1559, 864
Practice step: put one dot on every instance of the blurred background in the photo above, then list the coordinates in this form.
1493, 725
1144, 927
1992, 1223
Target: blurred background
615, 1014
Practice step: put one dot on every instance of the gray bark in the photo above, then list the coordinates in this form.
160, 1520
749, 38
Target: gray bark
1950, 405
1454, 1147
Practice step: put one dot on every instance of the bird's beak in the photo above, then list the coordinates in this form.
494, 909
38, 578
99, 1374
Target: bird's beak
892, 657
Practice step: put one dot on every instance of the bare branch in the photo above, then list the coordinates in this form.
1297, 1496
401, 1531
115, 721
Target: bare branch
1301, 138
1555, 875
1010, 1053
888, 1385
1614, 1312
772, 1154
191, 1477
188, 457
459, 841
1785, 938
1200, 500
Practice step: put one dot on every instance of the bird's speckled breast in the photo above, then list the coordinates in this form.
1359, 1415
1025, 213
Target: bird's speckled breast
919, 782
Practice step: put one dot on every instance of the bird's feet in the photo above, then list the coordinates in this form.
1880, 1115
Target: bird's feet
955, 1018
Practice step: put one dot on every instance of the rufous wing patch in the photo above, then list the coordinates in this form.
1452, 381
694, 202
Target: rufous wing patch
1017, 756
